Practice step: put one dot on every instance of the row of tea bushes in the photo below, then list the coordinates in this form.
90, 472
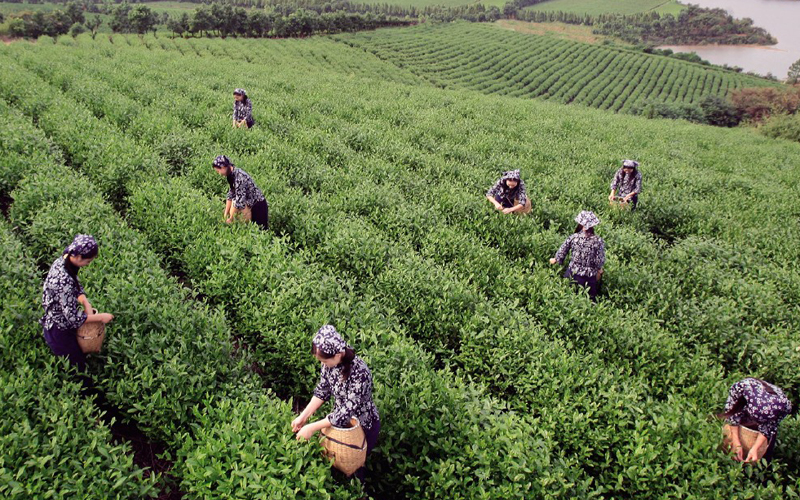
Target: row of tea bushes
168, 359
431, 436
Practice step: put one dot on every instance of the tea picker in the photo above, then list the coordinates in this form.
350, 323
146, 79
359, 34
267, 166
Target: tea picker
588, 254
242, 110
509, 194
62, 292
244, 199
351, 429
626, 184
752, 413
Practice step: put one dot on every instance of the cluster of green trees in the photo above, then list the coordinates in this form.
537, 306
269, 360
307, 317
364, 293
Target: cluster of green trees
224, 19
58, 22
693, 25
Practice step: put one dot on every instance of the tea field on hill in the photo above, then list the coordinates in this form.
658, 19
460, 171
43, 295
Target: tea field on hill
497, 61
494, 379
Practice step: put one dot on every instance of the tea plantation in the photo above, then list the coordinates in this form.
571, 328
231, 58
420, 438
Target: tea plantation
479, 56
494, 379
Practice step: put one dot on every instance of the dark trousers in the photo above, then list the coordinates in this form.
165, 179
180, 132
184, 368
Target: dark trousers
634, 201
372, 439
589, 282
65, 343
260, 214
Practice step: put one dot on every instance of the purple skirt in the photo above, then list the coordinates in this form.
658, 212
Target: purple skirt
65, 343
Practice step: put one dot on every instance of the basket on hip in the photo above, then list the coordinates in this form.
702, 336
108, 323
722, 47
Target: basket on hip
91, 335
747, 437
346, 447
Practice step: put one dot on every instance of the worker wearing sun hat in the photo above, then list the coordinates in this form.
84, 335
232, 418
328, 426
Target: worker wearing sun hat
627, 183
588, 254
509, 194
347, 378
243, 196
242, 109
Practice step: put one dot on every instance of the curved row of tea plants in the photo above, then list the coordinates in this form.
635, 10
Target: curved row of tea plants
168, 360
484, 58
424, 159
321, 173
445, 416
49, 435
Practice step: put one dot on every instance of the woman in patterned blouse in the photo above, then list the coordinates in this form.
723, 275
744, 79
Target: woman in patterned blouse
759, 406
346, 377
243, 196
588, 254
627, 183
509, 194
242, 109
60, 298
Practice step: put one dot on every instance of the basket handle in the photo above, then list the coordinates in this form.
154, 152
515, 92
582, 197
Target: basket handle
349, 445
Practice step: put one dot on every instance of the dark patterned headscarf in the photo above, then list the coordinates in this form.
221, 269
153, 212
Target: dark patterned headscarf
222, 161
240, 92
328, 340
587, 219
630, 164
83, 244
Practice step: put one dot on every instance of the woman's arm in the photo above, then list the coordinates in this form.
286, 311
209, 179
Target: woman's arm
227, 213
736, 443
310, 409
752, 455
494, 202
513, 209
309, 430
87, 306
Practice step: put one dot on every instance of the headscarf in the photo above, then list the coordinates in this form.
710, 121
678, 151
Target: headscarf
83, 244
222, 161
241, 92
630, 164
328, 341
587, 219
511, 175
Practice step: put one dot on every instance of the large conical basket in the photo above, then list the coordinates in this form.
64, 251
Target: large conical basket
347, 448
91, 335
747, 437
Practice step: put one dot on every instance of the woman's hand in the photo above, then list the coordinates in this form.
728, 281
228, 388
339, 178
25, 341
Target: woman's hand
611, 196
106, 317
306, 432
553, 261
508, 210
752, 455
299, 422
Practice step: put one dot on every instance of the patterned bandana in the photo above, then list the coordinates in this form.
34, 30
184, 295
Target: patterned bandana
587, 219
629, 164
240, 92
329, 341
513, 175
83, 244
222, 161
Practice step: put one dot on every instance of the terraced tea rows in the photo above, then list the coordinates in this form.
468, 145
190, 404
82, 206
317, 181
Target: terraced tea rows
494, 61
494, 379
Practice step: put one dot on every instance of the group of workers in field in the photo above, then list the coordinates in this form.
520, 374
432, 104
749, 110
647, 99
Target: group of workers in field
753, 406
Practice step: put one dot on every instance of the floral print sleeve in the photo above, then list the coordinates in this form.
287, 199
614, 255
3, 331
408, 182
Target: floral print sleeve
522, 193
60, 299
353, 397
242, 110
245, 192
763, 410
588, 254
496, 189
564, 249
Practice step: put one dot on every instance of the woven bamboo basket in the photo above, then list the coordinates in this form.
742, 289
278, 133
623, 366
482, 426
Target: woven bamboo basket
347, 448
91, 336
747, 437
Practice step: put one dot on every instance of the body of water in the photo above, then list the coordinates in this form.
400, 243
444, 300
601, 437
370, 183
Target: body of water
779, 17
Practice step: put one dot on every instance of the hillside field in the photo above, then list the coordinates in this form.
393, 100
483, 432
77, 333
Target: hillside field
494, 378
493, 60
598, 7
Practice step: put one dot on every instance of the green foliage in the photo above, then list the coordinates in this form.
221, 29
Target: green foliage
494, 61
494, 379
49, 435
782, 127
